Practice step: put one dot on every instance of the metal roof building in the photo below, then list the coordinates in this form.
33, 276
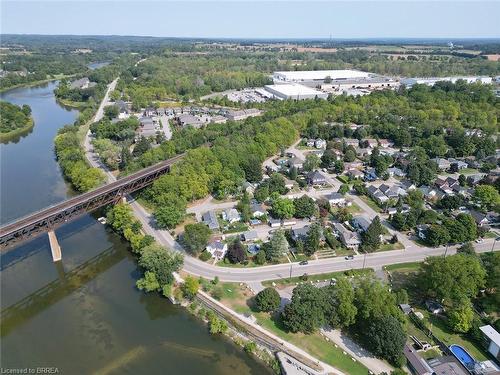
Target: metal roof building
295, 91
317, 75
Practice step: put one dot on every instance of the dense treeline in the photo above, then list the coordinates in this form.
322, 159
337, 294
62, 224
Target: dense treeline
14, 117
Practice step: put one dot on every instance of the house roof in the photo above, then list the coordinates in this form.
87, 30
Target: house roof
419, 365
210, 218
491, 333
250, 235
315, 175
334, 196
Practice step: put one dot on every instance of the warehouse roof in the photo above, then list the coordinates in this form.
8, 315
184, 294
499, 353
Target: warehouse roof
307, 75
294, 90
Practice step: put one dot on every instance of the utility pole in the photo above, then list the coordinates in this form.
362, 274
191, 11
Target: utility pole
291, 265
493, 245
364, 260
446, 251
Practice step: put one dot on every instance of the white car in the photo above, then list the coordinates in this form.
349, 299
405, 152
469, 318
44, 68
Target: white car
479, 240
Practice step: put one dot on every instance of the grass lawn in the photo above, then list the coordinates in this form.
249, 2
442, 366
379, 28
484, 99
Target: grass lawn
237, 298
440, 329
404, 267
319, 277
391, 246
371, 203
354, 208
236, 227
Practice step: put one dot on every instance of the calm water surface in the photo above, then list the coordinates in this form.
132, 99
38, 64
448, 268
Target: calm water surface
84, 314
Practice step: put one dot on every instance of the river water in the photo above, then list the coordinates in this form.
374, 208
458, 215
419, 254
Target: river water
84, 315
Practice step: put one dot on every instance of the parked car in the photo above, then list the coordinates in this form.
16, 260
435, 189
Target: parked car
304, 263
349, 257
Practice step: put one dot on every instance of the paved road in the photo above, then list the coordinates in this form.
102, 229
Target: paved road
91, 156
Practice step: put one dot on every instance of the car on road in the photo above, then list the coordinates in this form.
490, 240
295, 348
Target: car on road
349, 257
304, 263
479, 240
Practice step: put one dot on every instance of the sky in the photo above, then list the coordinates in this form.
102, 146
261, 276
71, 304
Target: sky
257, 19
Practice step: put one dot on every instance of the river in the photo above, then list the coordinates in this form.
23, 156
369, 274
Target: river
84, 315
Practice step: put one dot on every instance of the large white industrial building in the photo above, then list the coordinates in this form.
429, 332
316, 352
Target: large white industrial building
294, 91
318, 75
431, 81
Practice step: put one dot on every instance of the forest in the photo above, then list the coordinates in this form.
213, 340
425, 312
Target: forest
14, 117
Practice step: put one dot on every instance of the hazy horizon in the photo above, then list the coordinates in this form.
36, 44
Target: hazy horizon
357, 20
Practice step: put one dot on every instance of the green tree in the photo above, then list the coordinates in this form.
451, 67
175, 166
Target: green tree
343, 311
385, 337
253, 169
437, 235
370, 239
155, 258
260, 257
452, 278
467, 248
304, 206
236, 252
313, 238
267, 300
190, 287
306, 312
344, 189
149, 283
486, 196
283, 208
312, 162
277, 246
171, 212
460, 317
196, 237
120, 217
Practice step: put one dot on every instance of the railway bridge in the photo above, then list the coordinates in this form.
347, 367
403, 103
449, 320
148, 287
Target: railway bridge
48, 219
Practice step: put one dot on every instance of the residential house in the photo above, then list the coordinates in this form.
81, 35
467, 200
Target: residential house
491, 339
289, 184
393, 191
310, 143
210, 219
351, 240
422, 231
336, 199
300, 233
257, 209
480, 218
316, 178
407, 185
354, 173
395, 172
370, 174
82, 84
416, 364
248, 187
458, 163
147, 127
288, 222
250, 236
320, 143
189, 120
405, 308
377, 195
218, 119
231, 215
123, 111
353, 165
362, 152
371, 142
296, 162
360, 223
428, 192
274, 223
442, 164
474, 179
385, 143
218, 249
447, 365
434, 307
351, 142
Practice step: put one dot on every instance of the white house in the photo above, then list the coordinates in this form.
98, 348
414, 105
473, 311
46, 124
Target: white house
336, 199
492, 340
217, 249
231, 215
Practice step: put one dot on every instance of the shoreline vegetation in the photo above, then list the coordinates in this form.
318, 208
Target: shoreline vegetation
14, 121
15, 135
55, 77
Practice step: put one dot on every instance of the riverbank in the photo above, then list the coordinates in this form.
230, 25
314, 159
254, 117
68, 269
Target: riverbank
9, 136
71, 104
36, 83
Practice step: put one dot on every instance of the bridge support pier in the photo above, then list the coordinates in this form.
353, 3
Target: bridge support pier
54, 246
